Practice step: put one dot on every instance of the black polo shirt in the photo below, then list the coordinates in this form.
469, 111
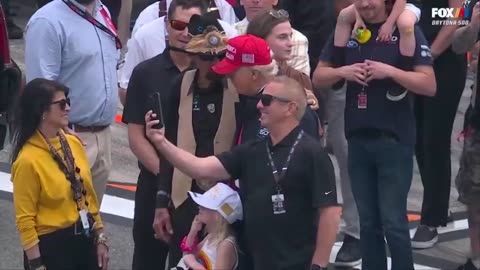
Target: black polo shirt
395, 117
207, 107
158, 74
248, 121
284, 241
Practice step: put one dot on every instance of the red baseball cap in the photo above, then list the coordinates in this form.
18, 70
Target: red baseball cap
244, 50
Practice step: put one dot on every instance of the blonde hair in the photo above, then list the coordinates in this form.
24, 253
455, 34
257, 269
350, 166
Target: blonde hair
221, 231
267, 70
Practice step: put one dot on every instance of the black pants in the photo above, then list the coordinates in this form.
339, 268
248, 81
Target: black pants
149, 253
435, 117
63, 250
182, 218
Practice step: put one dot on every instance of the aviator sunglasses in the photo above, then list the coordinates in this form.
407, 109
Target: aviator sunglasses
279, 14
178, 25
267, 99
62, 103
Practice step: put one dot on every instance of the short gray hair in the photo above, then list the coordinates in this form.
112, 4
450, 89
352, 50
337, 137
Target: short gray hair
293, 91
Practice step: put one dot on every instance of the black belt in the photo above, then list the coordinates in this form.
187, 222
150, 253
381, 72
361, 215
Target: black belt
372, 134
80, 128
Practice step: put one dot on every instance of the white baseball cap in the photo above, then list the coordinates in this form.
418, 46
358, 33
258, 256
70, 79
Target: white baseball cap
222, 199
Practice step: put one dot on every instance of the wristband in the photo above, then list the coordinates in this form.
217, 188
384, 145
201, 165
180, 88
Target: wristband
35, 263
188, 249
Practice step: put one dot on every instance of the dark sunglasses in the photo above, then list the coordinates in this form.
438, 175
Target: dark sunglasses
267, 99
62, 103
279, 14
211, 57
178, 25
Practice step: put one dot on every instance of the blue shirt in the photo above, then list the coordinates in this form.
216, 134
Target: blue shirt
396, 117
61, 45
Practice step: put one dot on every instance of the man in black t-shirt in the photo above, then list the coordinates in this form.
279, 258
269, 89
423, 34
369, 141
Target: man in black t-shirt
468, 178
291, 214
434, 118
380, 132
157, 74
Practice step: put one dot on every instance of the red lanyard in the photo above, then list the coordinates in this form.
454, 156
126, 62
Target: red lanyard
111, 30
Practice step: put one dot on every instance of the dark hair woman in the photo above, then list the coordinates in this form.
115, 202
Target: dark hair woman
57, 212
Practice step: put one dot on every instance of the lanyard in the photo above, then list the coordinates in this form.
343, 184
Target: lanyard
277, 176
110, 30
67, 165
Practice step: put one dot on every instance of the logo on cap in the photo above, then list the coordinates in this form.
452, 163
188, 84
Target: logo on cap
248, 58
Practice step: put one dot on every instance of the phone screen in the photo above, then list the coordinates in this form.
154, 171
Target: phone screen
156, 107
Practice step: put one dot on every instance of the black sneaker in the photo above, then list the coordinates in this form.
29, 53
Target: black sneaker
425, 237
349, 254
14, 31
468, 266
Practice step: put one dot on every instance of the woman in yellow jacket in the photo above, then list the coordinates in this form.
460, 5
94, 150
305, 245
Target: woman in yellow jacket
57, 212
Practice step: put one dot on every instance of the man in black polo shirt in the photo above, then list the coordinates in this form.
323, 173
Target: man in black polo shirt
380, 133
286, 179
468, 178
155, 75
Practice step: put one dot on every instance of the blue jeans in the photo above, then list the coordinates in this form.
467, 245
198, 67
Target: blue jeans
381, 175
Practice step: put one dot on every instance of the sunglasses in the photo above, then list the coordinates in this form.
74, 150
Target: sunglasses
279, 14
178, 25
62, 103
267, 99
211, 57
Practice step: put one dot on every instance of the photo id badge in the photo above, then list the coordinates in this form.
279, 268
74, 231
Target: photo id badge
278, 204
84, 219
362, 101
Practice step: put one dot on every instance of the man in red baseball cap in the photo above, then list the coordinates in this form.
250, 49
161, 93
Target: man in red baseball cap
248, 64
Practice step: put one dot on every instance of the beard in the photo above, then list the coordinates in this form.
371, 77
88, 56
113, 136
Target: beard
85, 2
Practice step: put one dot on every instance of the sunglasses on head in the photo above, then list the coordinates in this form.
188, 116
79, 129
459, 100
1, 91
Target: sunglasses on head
211, 57
279, 14
178, 25
267, 99
62, 103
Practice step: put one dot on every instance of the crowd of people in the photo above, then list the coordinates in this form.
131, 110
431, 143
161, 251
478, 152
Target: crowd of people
227, 105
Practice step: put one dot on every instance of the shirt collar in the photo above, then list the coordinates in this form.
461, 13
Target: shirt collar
98, 6
289, 140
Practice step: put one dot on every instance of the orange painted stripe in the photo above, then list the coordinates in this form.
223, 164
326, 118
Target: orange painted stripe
118, 118
413, 217
124, 187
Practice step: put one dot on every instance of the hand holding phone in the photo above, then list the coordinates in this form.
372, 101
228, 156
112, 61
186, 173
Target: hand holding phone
156, 107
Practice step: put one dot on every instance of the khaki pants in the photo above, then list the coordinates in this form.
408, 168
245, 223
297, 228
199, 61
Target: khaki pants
99, 149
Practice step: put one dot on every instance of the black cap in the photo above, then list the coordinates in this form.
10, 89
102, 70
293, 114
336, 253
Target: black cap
199, 23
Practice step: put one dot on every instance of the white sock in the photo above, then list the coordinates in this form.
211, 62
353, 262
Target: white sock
476, 262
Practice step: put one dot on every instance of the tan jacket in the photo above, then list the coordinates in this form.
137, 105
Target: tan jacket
224, 138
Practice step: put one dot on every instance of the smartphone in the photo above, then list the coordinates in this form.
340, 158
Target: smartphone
156, 107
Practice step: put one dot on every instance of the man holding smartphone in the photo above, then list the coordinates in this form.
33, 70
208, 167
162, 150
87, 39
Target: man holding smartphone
155, 75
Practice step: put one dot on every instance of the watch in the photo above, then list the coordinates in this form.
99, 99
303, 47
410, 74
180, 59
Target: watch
318, 267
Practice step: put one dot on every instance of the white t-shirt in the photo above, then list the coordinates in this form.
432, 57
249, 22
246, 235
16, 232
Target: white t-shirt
149, 41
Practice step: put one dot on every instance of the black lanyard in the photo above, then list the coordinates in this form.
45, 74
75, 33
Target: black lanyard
110, 31
67, 165
278, 175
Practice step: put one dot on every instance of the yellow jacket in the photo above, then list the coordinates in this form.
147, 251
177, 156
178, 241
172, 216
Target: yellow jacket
42, 195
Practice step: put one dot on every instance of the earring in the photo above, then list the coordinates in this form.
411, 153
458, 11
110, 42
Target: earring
43, 117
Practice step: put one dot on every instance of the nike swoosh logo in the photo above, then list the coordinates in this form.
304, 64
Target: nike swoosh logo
326, 193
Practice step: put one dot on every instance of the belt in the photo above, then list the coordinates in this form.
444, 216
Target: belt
80, 128
372, 134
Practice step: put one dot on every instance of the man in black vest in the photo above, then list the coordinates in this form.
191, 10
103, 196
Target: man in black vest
380, 132
468, 178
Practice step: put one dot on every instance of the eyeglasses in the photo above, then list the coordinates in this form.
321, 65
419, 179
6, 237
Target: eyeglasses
178, 25
211, 57
267, 99
62, 103
279, 14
